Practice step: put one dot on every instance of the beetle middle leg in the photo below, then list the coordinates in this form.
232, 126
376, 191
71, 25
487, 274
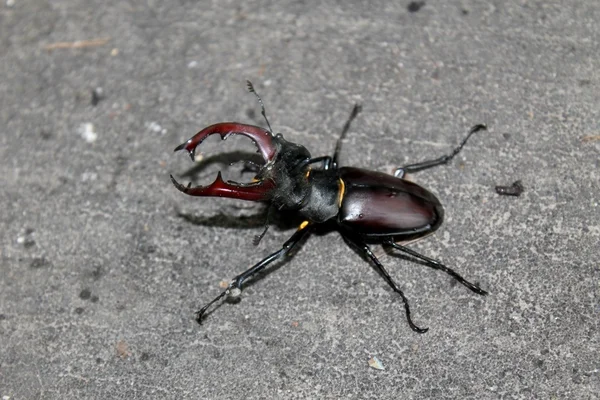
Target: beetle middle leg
435, 264
401, 171
366, 250
235, 287
331, 162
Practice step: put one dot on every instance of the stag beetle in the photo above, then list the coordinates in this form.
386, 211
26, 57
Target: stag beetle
368, 207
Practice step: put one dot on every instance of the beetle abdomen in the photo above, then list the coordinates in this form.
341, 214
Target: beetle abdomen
377, 204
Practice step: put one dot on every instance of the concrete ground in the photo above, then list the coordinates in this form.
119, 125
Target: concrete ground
103, 262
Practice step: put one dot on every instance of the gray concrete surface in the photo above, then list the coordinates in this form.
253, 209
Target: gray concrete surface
100, 274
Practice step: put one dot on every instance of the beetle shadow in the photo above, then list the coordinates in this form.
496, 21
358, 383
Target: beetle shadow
282, 221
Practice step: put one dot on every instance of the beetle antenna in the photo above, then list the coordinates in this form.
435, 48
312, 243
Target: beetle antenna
262, 105
338, 146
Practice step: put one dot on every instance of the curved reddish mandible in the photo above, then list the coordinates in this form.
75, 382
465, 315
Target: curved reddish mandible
258, 191
260, 136
219, 188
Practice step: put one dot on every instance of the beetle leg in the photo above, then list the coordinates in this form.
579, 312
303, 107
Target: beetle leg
258, 238
235, 287
250, 166
327, 160
338, 146
366, 250
438, 265
438, 161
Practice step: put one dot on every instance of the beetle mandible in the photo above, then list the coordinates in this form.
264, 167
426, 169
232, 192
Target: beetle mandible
368, 207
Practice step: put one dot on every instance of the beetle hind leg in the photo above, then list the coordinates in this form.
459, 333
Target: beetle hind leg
366, 250
438, 161
435, 264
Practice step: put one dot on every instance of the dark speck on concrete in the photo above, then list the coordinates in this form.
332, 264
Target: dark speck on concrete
145, 356
415, 6
2, 317
79, 310
578, 379
97, 273
39, 262
516, 189
216, 354
96, 96
147, 248
26, 238
85, 294
94, 299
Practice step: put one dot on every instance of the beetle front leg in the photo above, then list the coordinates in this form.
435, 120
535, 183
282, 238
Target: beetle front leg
366, 250
235, 287
326, 160
401, 171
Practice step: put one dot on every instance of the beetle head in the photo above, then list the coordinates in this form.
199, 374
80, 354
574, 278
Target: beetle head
280, 179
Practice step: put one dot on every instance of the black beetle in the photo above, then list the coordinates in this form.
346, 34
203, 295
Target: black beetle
368, 207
